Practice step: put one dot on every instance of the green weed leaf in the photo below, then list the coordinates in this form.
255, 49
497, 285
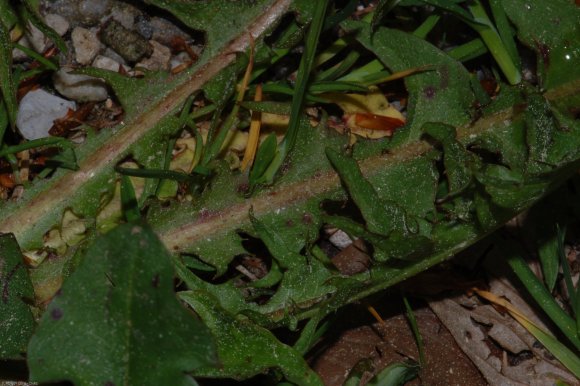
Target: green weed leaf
443, 95
244, 348
117, 320
16, 321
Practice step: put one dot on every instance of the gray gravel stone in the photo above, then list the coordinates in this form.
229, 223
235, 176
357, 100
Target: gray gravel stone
58, 23
37, 111
93, 11
159, 59
164, 31
129, 44
85, 13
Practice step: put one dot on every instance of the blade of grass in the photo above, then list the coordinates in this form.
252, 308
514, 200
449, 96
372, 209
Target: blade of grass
396, 374
309, 334
340, 68
544, 298
387, 76
416, 333
427, 26
561, 255
128, 200
156, 173
382, 9
304, 70
40, 142
7, 83
357, 75
469, 50
505, 31
494, 43
216, 145
4, 121
561, 352
36, 56
548, 253
32, 14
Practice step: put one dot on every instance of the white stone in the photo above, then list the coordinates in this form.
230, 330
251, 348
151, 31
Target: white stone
159, 59
86, 45
57, 23
33, 38
37, 111
106, 63
81, 88
340, 239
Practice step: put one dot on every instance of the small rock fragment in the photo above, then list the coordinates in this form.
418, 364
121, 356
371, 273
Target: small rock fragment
85, 13
82, 88
37, 111
143, 26
340, 239
57, 23
110, 53
92, 11
106, 63
164, 31
86, 45
33, 38
129, 44
125, 14
159, 59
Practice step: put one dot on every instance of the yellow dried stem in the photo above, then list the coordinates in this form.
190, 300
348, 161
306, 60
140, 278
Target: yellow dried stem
254, 136
376, 315
503, 303
248, 73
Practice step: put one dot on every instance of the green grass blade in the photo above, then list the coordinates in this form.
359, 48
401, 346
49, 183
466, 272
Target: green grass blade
382, 9
128, 200
36, 56
339, 69
544, 298
494, 43
308, 335
416, 333
336, 86
549, 255
32, 14
560, 351
7, 83
505, 31
4, 121
156, 173
469, 50
561, 255
360, 73
396, 374
48, 141
427, 26
304, 69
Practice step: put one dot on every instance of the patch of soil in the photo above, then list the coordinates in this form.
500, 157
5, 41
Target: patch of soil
392, 341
